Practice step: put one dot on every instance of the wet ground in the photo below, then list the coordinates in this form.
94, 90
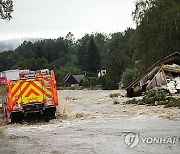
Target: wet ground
91, 123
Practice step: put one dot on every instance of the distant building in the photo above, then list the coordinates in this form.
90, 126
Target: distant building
101, 73
71, 79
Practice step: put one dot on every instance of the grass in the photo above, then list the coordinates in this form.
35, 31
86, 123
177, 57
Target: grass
156, 98
132, 101
171, 102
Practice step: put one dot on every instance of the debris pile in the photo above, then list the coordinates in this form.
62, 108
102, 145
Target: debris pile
173, 85
163, 75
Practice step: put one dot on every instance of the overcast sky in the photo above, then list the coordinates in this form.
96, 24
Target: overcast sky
55, 18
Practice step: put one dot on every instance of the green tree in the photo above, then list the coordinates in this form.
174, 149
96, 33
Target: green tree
117, 63
81, 50
116, 42
70, 38
8, 59
101, 41
129, 76
6, 9
92, 57
158, 30
41, 63
39, 52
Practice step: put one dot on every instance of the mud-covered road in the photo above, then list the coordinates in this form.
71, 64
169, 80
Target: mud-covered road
91, 123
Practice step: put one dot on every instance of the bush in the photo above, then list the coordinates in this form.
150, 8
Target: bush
151, 98
129, 75
172, 102
81, 83
102, 82
86, 83
154, 96
133, 101
90, 81
93, 81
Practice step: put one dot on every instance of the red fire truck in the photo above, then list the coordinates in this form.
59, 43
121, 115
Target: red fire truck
23, 92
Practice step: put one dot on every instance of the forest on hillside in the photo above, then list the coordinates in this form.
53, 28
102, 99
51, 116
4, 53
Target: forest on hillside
125, 55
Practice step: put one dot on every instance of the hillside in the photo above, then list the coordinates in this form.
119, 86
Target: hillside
12, 44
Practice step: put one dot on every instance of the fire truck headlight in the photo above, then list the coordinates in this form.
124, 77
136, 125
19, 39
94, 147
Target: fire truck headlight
17, 107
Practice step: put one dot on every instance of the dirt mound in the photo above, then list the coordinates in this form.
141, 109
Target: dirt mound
81, 115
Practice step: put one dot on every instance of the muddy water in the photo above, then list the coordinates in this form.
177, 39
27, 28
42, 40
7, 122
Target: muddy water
94, 125
90, 136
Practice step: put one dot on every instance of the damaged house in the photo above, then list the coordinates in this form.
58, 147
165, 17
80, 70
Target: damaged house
165, 74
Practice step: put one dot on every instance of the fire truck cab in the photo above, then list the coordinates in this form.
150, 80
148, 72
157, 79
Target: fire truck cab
23, 92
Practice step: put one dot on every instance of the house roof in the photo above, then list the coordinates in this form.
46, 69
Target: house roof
172, 58
66, 77
78, 77
72, 79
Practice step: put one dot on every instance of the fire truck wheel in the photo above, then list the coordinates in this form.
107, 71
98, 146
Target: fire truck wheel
49, 113
17, 117
46, 119
13, 117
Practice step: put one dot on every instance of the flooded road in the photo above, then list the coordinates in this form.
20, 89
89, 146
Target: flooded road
95, 125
